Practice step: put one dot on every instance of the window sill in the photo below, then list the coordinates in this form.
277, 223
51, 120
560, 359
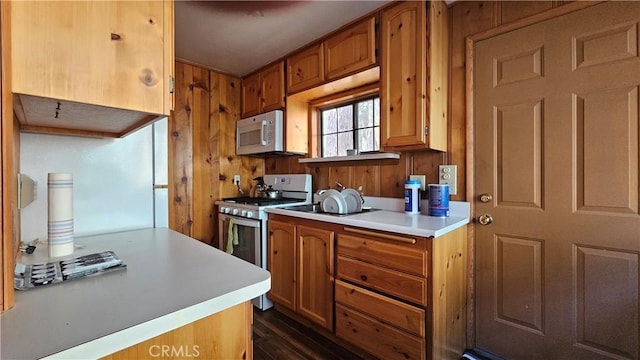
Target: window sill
370, 156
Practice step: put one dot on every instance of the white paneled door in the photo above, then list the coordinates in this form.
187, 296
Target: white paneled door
556, 151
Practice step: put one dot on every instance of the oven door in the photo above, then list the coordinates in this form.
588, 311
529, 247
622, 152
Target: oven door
247, 246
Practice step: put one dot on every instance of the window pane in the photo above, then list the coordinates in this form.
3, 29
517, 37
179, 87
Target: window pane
345, 118
329, 121
330, 145
351, 125
365, 113
345, 141
365, 139
376, 113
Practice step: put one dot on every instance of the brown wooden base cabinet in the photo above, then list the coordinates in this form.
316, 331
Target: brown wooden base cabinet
395, 296
301, 264
402, 297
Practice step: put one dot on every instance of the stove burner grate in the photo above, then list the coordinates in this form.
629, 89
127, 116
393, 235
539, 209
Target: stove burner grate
260, 201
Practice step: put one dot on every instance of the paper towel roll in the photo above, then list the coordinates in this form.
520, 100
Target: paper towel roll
60, 214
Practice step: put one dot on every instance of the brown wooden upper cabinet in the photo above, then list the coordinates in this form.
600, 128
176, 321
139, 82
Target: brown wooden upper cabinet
305, 69
351, 50
414, 76
263, 90
95, 68
347, 52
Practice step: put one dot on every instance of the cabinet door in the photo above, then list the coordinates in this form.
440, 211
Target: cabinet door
272, 87
351, 50
305, 69
281, 247
315, 269
251, 95
108, 53
403, 81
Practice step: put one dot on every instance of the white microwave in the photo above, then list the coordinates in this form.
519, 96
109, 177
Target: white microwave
260, 134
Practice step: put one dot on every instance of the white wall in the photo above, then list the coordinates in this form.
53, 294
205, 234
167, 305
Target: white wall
112, 181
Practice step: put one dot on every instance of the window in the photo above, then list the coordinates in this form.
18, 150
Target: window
355, 125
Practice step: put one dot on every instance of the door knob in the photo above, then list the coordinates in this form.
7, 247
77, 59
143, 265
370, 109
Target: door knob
485, 198
485, 219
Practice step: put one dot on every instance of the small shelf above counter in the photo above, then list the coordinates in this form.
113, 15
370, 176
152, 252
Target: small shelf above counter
359, 157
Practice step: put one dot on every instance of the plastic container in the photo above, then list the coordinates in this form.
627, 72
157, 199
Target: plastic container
412, 196
439, 200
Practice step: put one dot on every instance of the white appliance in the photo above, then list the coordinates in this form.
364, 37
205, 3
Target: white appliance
250, 220
260, 134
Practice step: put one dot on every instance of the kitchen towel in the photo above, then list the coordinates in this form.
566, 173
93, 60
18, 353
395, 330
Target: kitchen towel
60, 214
232, 235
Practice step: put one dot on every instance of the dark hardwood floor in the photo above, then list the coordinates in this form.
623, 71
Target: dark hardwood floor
277, 336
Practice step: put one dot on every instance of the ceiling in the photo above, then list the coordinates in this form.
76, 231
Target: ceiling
238, 37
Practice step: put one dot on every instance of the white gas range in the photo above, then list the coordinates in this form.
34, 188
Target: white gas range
242, 221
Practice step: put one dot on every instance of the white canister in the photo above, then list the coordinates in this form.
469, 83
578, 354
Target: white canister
60, 214
412, 196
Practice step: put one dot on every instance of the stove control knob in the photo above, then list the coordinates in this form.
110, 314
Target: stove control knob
244, 213
225, 210
250, 214
235, 212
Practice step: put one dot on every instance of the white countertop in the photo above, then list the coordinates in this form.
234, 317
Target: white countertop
171, 280
388, 216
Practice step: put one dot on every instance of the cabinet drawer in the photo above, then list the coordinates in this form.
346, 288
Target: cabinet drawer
407, 258
383, 341
406, 317
405, 286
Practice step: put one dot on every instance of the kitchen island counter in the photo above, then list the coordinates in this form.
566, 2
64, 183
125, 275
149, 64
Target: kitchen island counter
170, 281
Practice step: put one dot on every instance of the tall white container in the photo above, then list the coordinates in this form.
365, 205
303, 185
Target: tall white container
60, 214
412, 196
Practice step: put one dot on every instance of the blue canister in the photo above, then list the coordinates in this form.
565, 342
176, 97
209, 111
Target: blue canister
439, 200
412, 196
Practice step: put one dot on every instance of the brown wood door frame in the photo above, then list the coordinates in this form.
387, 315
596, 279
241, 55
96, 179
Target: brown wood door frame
470, 135
9, 142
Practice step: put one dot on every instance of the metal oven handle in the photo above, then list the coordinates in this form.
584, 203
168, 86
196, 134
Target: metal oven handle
242, 222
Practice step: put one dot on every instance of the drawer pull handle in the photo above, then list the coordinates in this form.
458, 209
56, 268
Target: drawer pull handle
381, 235
363, 277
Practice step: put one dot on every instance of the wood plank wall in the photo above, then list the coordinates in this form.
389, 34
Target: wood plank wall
181, 148
225, 112
202, 158
375, 179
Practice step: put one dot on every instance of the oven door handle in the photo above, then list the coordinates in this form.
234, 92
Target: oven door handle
243, 222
